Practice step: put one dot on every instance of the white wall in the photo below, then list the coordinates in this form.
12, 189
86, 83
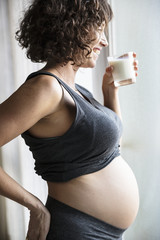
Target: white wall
136, 27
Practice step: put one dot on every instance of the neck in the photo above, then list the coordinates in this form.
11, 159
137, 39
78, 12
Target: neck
66, 73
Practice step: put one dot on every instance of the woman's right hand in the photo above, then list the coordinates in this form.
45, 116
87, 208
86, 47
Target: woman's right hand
39, 224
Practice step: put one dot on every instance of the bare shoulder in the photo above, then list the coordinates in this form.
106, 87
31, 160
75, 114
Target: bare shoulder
44, 84
42, 88
36, 98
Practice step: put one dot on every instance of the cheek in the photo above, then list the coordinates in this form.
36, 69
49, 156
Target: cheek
90, 63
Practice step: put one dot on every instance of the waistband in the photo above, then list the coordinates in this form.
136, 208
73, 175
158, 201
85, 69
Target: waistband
81, 225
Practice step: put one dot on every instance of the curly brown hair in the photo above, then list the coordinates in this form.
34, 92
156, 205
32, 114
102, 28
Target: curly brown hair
62, 31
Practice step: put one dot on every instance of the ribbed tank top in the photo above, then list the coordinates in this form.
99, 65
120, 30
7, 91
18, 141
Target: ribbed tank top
89, 145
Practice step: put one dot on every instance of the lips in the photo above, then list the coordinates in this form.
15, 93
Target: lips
97, 50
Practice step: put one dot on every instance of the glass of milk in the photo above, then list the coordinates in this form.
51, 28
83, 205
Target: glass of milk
123, 72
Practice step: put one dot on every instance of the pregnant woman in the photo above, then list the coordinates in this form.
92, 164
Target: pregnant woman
75, 141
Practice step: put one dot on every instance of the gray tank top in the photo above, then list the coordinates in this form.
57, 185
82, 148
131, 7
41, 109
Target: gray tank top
89, 145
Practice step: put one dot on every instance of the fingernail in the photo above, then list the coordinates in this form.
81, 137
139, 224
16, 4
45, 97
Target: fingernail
134, 55
135, 62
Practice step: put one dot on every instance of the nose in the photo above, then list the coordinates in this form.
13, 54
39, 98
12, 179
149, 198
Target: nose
103, 40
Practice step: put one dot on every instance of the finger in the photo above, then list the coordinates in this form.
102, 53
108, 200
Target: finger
135, 63
124, 55
127, 55
134, 55
136, 68
42, 236
109, 69
32, 235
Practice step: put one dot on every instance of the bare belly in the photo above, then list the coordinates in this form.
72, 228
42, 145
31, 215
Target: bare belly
110, 194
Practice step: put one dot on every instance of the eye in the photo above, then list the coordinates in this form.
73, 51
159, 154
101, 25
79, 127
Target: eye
100, 29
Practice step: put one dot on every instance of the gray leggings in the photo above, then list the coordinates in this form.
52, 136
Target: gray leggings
68, 223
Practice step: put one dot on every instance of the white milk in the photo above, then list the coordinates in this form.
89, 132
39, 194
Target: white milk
123, 73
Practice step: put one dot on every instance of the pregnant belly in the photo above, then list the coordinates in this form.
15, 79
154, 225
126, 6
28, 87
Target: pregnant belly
110, 194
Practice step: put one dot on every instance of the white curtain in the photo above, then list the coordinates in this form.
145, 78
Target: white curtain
15, 158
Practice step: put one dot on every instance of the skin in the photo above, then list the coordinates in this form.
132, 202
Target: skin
25, 109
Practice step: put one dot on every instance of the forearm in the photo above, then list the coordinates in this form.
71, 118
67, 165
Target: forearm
110, 93
11, 189
111, 100
39, 216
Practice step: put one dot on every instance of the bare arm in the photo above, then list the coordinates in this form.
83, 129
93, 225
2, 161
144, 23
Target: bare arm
39, 215
34, 100
110, 92
31, 102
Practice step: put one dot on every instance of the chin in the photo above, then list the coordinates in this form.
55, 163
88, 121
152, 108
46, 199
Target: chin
89, 64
